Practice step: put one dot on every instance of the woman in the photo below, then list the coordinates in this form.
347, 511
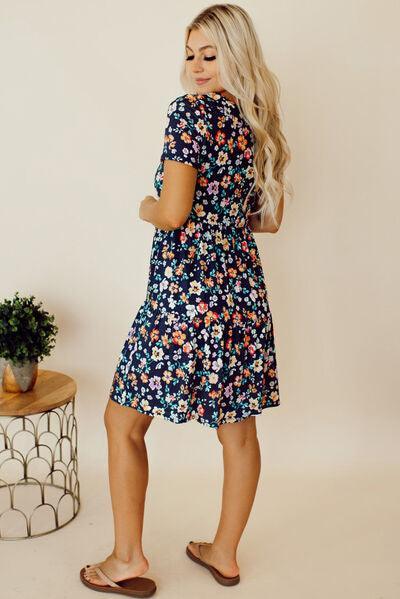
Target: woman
201, 346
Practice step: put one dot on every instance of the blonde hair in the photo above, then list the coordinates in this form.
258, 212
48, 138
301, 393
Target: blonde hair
243, 73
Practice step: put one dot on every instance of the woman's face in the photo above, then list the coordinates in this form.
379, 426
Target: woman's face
201, 63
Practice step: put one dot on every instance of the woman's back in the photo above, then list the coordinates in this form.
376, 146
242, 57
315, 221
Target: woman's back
208, 132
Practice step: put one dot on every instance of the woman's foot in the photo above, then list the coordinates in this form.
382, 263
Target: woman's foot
213, 557
116, 569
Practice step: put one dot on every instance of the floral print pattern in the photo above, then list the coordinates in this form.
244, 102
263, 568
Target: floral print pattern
201, 346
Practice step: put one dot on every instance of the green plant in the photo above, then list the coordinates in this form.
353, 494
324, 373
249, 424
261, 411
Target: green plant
27, 332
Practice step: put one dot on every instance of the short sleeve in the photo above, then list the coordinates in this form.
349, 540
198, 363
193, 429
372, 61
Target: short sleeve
182, 137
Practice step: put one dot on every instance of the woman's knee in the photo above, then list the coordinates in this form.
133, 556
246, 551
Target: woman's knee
124, 420
237, 433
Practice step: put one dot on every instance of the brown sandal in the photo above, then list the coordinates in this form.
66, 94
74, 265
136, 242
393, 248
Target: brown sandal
225, 580
138, 586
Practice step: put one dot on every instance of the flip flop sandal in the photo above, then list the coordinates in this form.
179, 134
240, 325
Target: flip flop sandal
138, 586
225, 580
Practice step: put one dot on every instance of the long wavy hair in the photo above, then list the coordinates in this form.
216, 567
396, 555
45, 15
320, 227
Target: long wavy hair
244, 73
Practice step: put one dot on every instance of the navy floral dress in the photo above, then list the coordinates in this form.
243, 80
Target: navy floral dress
201, 346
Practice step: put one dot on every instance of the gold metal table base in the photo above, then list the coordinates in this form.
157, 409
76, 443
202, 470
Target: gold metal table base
46, 484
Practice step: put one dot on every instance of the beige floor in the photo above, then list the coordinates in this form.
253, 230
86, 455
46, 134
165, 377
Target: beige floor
310, 535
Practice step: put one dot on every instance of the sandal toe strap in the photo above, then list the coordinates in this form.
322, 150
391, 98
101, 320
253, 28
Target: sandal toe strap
106, 579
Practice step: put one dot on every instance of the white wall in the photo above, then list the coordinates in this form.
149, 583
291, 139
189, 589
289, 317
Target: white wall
84, 92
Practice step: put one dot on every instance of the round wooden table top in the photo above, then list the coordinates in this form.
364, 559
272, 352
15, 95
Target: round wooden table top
52, 389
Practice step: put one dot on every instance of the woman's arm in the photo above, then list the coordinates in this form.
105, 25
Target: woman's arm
176, 199
267, 226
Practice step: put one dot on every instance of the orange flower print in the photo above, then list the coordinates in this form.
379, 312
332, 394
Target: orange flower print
178, 337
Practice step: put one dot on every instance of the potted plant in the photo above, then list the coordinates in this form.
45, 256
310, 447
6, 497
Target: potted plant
27, 334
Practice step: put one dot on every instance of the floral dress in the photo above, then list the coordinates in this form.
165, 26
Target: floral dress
201, 346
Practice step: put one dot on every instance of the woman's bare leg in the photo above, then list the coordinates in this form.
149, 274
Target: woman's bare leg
242, 465
128, 478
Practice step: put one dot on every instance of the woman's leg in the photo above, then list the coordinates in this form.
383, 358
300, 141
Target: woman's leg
242, 464
128, 478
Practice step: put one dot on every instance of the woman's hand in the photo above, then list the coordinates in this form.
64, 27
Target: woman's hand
145, 207
266, 226
254, 223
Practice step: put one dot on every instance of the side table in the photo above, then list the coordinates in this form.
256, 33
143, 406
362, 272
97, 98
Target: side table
39, 486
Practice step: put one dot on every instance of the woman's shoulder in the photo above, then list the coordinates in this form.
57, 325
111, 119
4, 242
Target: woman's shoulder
191, 111
184, 102
196, 103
